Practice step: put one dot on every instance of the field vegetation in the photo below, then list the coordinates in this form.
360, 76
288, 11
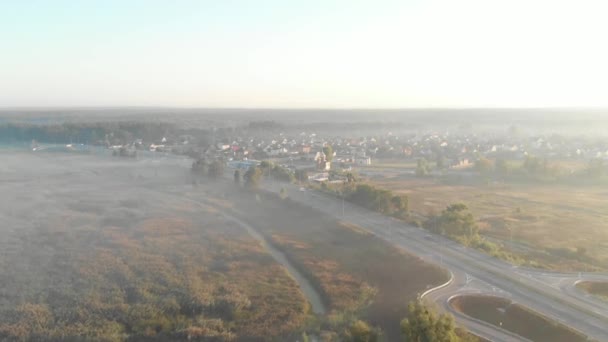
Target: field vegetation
596, 288
515, 318
98, 255
163, 279
360, 276
551, 225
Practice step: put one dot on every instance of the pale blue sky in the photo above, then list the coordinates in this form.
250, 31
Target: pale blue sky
314, 53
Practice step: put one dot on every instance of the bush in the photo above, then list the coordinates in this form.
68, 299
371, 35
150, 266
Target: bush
380, 200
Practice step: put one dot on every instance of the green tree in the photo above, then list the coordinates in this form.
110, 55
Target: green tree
329, 152
350, 177
532, 165
237, 176
597, 168
502, 167
266, 165
266, 168
422, 325
440, 162
422, 167
484, 166
360, 331
302, 175
216, 168
400, 204
282, 174
252, 178
456, 221
376, 199
200, 167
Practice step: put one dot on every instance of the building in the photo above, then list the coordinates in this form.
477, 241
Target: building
305, 149
243, 164
322, 163
363, 161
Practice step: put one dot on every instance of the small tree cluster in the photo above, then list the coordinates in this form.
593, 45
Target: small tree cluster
329, 153
484, 166
360, 331
200, 167
276, 172
282, 174
301, 175
215, 169
237, 177
455, 221
597, 168
253, 178
380, 200
422, 168
422, 325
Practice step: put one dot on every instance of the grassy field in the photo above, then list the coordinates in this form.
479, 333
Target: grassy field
356, 273
160, 278
545, 223
599, 289
91, 253
515, 318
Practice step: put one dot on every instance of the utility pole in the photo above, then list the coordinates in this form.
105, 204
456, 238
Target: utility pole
441, 250
342, 203
510, 239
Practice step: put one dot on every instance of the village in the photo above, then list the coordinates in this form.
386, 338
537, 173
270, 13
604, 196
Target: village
326, 157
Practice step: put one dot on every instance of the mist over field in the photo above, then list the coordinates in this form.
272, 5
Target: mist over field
255, 225
303, 171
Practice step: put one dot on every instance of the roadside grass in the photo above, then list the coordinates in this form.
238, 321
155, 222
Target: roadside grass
356, 272
596, 288
515, 318
559, 227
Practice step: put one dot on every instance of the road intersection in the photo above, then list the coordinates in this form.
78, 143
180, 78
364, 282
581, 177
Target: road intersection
551, 294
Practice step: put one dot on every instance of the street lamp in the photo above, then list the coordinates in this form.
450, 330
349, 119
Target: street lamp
342, 192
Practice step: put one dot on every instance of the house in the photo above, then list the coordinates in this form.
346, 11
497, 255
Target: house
363, 161
222, 147
305, 149
273, 152
461, 163
319, 177
322, 162
326, 166
157, 148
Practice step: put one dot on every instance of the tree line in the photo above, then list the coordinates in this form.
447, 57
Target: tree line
421, 325
86, 133
540, 169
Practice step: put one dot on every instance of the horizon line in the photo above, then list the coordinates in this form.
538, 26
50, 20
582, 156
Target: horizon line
138, 107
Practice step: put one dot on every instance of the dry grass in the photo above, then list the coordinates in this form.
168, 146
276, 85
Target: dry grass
515, 318
348, 265
557, 218
197, 255
595, 288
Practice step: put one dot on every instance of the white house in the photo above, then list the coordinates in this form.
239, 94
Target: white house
363, 161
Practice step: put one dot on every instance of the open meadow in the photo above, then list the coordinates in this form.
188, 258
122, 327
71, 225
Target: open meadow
92, 250
357, 274
558, 226
130, 249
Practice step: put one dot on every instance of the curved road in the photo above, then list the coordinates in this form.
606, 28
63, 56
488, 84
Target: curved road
552, 294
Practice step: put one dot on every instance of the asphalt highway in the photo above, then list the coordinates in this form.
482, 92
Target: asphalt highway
552, 294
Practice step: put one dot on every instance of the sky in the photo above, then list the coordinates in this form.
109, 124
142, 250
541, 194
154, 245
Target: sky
304, 54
